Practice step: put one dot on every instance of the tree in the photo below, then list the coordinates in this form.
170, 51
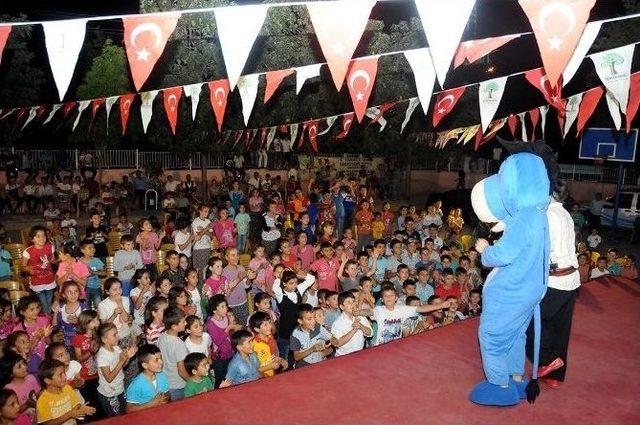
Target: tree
611, 60
490, 88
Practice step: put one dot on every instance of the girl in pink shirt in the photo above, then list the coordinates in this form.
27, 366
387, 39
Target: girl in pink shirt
387, 219
303, 251
37, 326
259, 264
71, 269
215, 283
15, 376
224, 229
148, 243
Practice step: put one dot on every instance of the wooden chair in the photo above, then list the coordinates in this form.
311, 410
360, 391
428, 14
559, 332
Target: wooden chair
24, 236
110, 267
11, 285
467, 242
166, 247
113, 242
244, 260
16, 250
214, 243
16, 296
161, 264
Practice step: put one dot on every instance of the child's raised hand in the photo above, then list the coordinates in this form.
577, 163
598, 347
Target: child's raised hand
82, 409
46, 331
226, 383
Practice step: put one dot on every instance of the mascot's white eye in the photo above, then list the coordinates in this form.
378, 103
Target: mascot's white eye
480, 205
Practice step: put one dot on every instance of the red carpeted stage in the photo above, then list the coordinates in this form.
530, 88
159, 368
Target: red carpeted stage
426, 379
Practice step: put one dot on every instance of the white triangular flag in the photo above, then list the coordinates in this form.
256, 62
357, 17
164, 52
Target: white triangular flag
193, 91
614, 69
54, 109
271, 135
413, 103
586, 40
523, 127
330, 122
248, 88
614, 110
424, 74
32, 114
293, 132
303, 73
64, 40
571, 109
489, 95
238, 27
108, 103
543, 117
443, 23
146, 107
82, 105
374, 112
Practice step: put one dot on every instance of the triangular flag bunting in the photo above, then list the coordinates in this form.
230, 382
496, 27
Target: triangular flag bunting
271, 136
108, 105
237, 136
478, 141
553, 95
64, 40
145, 37
274, 79
588, 106
473, 50
468, 134
248, 88
586, 40
443, 23
445, 101
54, 109
238, 27
614, 109
376, 116
413, 104
5, 30
360, 80
218, 95
424, 74
32, 114
614, 69
303, 73
125, 108
312, 131
543, 117
146, 108
82, 105
634, 99
339, 26
572, 109
523, 120
347, 120
302, 134
193, 91
293, 133
330, 121
534, 114
489, 95
263, 136
67, 108
557, 26
95, 105
171, 99
494, 128
512, 122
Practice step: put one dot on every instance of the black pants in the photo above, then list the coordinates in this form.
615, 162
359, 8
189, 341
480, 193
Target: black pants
556, 311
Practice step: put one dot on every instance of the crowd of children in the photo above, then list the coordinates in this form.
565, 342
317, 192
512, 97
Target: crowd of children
290, 284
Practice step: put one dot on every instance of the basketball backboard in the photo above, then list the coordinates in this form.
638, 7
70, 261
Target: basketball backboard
609, 144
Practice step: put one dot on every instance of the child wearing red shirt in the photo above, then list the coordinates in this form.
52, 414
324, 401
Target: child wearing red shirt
37, 261
449, 286
326, 268
364, 217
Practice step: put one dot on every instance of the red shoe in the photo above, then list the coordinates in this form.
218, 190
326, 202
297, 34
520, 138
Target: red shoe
553, 383
554, 365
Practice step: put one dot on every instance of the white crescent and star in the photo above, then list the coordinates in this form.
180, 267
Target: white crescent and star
313, 131
175, 101
125, 106
553, 8
143, 54
347, 124
360, 73
215, 95
442, 109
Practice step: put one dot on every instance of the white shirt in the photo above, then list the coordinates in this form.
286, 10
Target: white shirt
270, 235
196, 299
594, 241
390, 321
138, 315
595, 273
179, 238
106, 358
205, 241
342, 326
106, 309
204, 346
279, 293
172, 186
562, 248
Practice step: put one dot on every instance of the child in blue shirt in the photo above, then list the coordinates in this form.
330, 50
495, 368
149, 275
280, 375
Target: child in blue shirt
244, 364
5, 263
96, 269
151, 387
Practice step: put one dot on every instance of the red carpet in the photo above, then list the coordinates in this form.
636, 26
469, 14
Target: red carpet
427, 378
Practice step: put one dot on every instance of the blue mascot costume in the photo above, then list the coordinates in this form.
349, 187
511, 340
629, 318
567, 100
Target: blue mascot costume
516, 198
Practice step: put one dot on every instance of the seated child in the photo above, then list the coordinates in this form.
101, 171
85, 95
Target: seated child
474, 306
584, 267
10, 409
198, 365
436, 317
452, 314
408, 290
151, 387
449, 286
15, 377
58, 402
310, 342
614, 267
601, 268
629, 270
244, 366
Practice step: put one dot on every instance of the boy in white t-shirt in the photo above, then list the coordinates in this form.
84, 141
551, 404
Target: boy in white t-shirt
349, 332
390, 316
201, 229
594, 239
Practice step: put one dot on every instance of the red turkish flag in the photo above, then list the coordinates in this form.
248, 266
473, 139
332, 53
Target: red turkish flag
95, 105
534, 114
587, 106
360, 79
445, 102
5, 30
473, 50
145, 37
347, 120
125, 107
634, 99
40, 111
218, 95
67, 108
478, 141
263, 135
171, 98
383, 109
558, 26
539, 80
312, 131
512, 121
339, 26
274, 78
